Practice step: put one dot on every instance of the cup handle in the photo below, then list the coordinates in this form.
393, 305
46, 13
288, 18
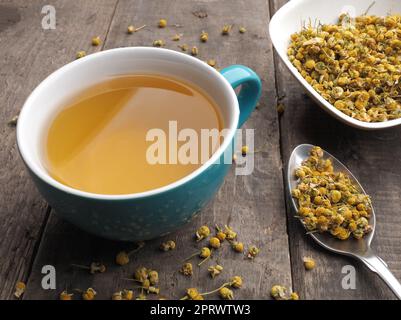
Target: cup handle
248, 97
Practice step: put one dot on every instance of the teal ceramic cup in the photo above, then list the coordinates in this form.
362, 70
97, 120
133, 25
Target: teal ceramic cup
146, 215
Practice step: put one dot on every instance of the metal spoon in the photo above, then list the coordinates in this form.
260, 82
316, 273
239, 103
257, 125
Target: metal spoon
359, 249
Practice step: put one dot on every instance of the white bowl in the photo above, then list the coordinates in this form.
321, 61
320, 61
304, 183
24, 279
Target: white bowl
289, 19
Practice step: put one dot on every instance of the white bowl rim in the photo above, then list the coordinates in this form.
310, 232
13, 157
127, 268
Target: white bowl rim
273, 25
44, 176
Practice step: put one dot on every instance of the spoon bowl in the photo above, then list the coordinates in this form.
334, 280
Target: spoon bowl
359, 249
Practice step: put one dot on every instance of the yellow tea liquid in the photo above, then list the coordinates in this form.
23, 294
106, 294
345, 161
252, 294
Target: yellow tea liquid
97, 142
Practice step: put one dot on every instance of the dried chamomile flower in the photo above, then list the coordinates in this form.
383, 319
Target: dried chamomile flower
141, 296
96, 41
329, 201
280, 108
13, 122
238, 246
89, 294
226, 293
226, 30
117, 296
221, 236
187, 269
202, 233
65, 295
183, 47
131, 29
230, 233
214, 271
214, 242
176, 37
244, 150
153, 277
236, 282
242, 29
141, 274
253, 251
278, 292
158, 43
193, 294
162, 23
20, 288
168, 245
204, 37
97, 267
194, 51
80, 54
354, 66
153, 290
211, 62
294, 296
309, 263
205, 253
122, 258
94, 267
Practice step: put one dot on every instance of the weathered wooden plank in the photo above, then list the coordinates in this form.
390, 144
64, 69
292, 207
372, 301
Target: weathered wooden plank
253, 205
28, 55
373, 157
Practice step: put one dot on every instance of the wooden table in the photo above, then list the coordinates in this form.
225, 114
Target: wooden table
33, 236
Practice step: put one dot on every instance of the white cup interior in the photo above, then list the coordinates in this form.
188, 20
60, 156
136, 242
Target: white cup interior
46, 100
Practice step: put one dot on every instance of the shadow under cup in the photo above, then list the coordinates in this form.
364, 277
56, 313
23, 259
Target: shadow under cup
146, 215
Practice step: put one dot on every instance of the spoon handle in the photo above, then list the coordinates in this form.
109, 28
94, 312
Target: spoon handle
376, 264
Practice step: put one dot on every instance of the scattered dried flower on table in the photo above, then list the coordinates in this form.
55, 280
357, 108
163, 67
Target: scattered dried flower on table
238, 246
236, 282
187, 269
278, 292
13, 122
309, 263
96, 41
20, 288
80, 54
89, 294
167, 246
176, 37
226, 293
214, 242
211, 62
194, 51
229, 232
162, 23
214, 271
94, 267
221, 236
202, 233
226, 30
122, 258
192, 294
66, 296
158, 43
280, 108
242, 30
183, 47
204, 37
253, 251
153, 277
131, 29
294, 296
